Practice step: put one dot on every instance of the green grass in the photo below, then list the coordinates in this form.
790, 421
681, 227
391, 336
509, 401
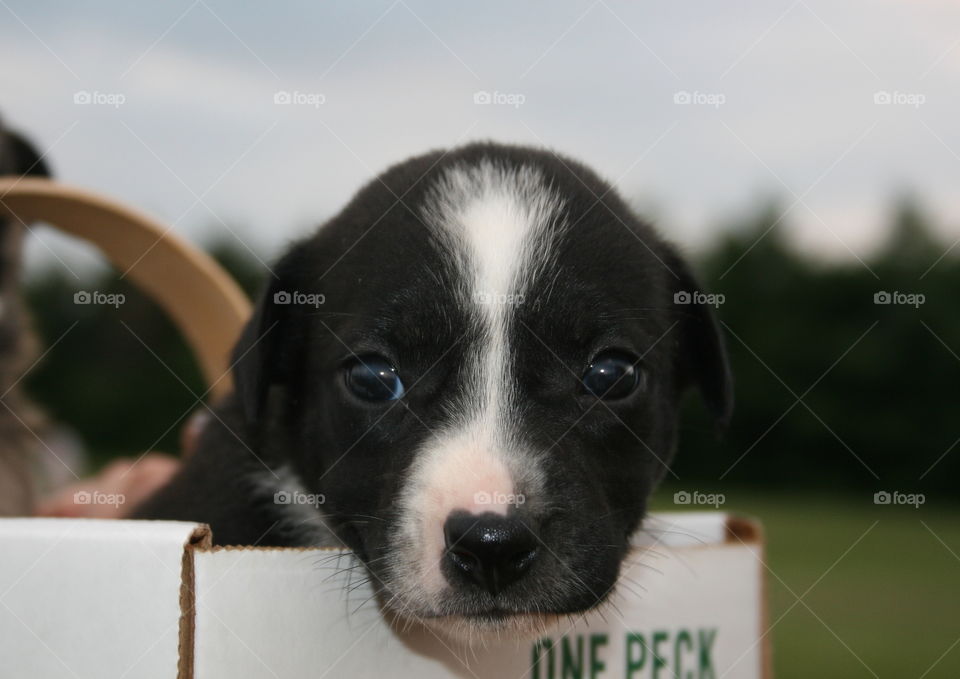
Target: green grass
884, 591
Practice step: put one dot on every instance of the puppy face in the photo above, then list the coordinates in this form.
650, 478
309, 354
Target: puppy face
488, 391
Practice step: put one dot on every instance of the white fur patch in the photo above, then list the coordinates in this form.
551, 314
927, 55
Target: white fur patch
499, 221
462, 472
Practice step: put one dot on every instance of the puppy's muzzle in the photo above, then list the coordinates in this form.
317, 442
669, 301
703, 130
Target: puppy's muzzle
488, 550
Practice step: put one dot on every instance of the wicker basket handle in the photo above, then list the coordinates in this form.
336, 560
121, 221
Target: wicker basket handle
204, 302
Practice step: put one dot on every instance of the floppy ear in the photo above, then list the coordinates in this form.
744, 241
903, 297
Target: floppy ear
263, 356
252, 363
20, 157
702, 356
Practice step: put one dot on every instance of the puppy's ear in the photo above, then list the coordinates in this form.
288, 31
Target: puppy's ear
22, 157
263, 355
702, 356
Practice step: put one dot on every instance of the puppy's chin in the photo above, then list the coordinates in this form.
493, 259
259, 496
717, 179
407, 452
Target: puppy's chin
482, 630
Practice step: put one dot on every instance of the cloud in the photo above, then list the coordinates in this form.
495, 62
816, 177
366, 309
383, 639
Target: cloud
598, 82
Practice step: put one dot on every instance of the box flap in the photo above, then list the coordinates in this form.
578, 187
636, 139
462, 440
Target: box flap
92, 598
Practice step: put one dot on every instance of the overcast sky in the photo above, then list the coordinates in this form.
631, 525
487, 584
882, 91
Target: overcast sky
182, 119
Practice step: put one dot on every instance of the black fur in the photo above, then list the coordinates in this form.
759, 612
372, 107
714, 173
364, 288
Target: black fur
393, 288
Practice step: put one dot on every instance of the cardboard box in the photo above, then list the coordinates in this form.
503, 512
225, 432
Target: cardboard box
111, 599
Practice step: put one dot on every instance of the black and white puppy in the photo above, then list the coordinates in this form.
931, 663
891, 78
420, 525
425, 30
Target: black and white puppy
19, 418
470, 377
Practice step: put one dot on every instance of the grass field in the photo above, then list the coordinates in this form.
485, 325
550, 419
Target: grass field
879, 585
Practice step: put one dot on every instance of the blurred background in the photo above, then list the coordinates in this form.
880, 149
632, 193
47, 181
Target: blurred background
805, 154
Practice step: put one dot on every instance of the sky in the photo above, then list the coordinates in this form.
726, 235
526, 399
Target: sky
256, 122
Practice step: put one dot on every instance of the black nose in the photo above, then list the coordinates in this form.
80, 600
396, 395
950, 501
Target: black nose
489, 549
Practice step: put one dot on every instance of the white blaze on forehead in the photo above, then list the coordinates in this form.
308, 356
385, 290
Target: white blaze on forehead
499, 215
497, 220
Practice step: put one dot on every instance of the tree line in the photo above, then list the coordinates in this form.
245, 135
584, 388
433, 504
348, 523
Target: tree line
846, 370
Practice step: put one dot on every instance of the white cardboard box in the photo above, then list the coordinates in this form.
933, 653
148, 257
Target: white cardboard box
112, 599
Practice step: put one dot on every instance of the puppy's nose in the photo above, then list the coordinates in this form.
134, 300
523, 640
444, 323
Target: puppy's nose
489, 549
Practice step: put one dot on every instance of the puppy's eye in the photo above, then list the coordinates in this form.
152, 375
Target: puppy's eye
372, 378
612, 375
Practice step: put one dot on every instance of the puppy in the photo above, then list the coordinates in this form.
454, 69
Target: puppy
470, 377
19, 419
